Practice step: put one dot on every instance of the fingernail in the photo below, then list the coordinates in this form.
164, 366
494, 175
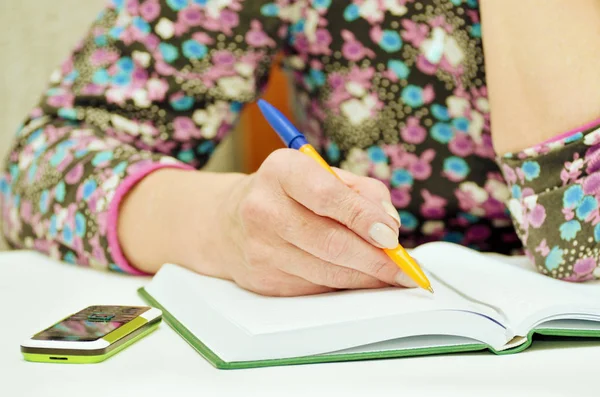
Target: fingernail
403, 280
383, 235
390, 209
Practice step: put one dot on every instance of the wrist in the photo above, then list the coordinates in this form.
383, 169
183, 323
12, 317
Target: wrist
173, 216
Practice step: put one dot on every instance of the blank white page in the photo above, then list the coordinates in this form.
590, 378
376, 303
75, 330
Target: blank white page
520, 293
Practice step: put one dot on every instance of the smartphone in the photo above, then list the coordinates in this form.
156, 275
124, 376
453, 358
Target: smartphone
92, 334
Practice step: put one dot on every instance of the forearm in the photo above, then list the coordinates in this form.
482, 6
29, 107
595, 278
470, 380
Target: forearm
178, 216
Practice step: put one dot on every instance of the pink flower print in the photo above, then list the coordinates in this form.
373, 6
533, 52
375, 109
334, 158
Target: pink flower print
433, 206
537, 216
494, 209
413, 132
185, 129
401, 197
421, 169
26, 210
101, 57
67, 66
592, 159
203, 38
62, 100
92, 89
139, 77
461, 145
485, 149
428, 94
440, 21
151, 41
543, 248
413, 32
509, 174
591, 184
478, 233
321, 43
425, 66
256, 37
353, 50
149, 10
584, 266
191, 16
223, 58
132, 7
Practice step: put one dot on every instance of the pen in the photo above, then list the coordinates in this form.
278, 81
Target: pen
294, 139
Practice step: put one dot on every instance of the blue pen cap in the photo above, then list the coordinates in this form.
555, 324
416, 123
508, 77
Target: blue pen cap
288, 133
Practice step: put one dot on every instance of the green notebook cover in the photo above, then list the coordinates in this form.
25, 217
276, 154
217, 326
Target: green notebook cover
217, 362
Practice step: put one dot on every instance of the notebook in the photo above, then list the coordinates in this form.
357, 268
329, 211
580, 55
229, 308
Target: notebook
480, 303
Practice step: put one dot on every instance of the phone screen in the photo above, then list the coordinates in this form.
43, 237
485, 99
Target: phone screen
91, 323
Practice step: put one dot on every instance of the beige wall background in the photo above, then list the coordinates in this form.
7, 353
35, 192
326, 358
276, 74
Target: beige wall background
37, 37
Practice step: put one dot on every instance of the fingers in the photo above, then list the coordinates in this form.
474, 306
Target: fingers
323, 194
372, 189
310, 268
333, 243
277, 283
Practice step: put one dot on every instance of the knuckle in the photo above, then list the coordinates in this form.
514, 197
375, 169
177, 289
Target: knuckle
339, 277
252, 208
335, 244
379, 268
354, 212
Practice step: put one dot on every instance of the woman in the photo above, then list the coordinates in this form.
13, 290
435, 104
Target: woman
103, 173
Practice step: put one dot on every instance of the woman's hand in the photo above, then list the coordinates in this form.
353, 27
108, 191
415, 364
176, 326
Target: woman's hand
299, 230
291, 228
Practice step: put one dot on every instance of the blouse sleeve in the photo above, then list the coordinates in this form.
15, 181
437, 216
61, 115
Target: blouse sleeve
554, 203
155, 83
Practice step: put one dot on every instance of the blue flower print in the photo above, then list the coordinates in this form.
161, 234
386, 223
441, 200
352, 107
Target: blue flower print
126, 64
461, 124
569, 230
440, 112
182, 103
399, 68
377, 155
554, 258
453, 237
516, 191
141, 25
597, 233
390, 41
408, 220
89, 187
121, 79
206, 147
44, 201
475, 30
572, 196
401, 178
200, 2
101, 40
531, 169
187, 156
574, 137
67, 113
70, 257
585, 208
321, 4
412, 95
79, 224
52, 230
102, 157
456, 167
442, 132
177, 4
351, 13
67, 235
269, 10
318, 77
100, 77
193, 50
169, 52
60, 191
333, 152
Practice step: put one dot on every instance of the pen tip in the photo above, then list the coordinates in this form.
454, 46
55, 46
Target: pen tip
430, 289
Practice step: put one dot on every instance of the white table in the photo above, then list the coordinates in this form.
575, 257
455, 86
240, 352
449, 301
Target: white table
35, 292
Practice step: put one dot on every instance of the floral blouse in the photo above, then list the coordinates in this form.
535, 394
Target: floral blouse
391, 89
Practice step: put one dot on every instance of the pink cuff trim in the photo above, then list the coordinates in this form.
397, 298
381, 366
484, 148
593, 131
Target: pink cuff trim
573, 131
113, 213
